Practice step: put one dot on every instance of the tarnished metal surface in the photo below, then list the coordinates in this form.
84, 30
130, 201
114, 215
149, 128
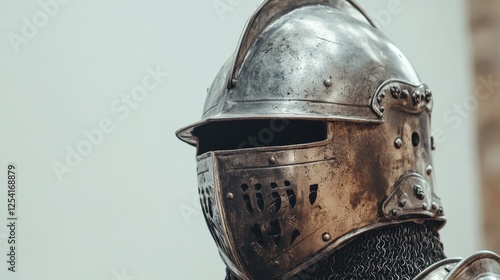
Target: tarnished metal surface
286, 207
480, 266
439, 270
412, 195
274, 211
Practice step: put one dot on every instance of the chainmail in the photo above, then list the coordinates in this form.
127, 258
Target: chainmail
395, 252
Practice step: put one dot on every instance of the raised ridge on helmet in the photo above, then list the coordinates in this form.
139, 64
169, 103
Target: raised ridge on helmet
300, 71
219, 107
269, 11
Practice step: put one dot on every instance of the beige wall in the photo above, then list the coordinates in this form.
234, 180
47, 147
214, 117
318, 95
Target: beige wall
485, 34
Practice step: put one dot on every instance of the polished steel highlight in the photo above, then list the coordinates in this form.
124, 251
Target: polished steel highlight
483, 265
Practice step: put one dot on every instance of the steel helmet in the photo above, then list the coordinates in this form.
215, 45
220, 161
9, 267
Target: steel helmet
315, 131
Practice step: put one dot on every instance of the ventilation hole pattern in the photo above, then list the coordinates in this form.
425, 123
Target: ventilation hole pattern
206, 202
271, 234
276, 201
212, 217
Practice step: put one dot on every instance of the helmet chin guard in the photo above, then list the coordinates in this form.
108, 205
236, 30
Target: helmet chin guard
275, 209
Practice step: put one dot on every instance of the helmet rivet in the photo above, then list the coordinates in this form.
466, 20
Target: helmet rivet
230, 196
398, 143
434, 206
396, 91
419, 192
402, 203
272, 160
441, 211
405, 93
417, 97
234, 82
428, 95
429, 170
276, 263
424, 206
328, 83
326, 237
382, 94
394, 212
382, 109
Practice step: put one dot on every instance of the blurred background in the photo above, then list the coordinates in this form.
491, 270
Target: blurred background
91, 93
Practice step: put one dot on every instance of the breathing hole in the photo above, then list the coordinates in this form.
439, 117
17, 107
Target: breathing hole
291, 198
314, 193
275, 231
295, 234
274, 185
244, 187
258, 187
415, 139
248, 203
258, 233
276, 201
210, 211
260, 201
288, 184
205, 205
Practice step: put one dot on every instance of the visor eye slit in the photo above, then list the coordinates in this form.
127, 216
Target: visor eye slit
251, 134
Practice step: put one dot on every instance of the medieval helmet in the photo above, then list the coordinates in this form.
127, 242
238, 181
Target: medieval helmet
316, 131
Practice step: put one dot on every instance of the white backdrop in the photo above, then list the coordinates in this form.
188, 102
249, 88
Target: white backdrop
122, 202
